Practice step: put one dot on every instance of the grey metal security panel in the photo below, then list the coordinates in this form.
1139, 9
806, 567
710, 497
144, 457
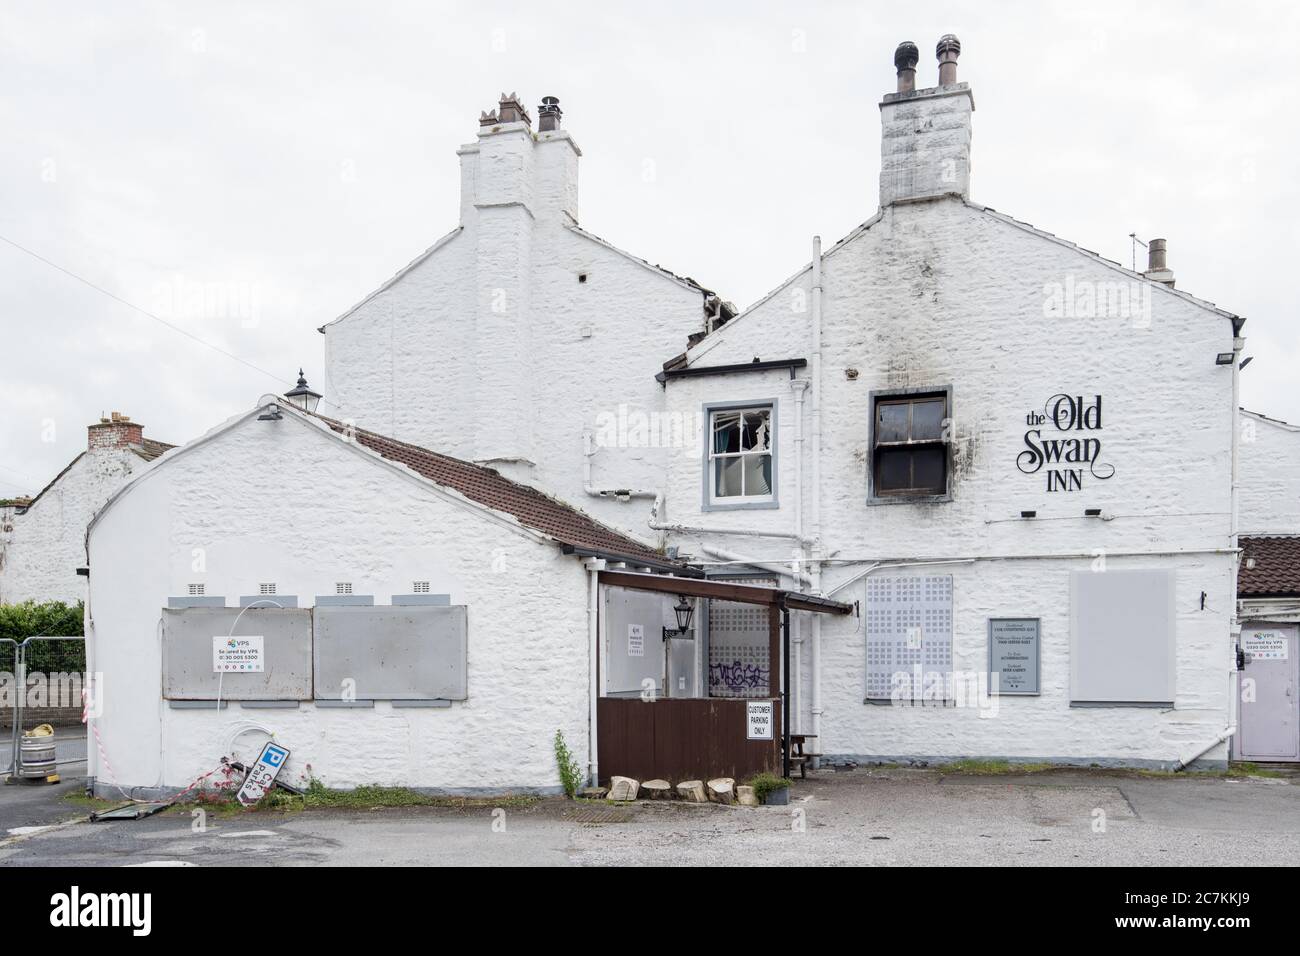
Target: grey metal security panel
909, 637
1014, 655
187, 645
1122, 648
391, 653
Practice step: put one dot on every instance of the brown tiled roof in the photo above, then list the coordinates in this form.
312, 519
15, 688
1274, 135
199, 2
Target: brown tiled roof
1276, 570
553, 518
150, 449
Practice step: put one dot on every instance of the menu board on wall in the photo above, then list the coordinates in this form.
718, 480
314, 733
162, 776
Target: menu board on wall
1014, 655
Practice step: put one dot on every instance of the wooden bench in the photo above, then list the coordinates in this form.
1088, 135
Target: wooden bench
800, 756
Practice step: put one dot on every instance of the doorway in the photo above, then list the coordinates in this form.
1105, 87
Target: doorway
1269, 725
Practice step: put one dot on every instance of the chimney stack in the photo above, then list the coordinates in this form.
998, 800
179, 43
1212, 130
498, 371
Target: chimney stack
117, 431
548, 114
925, 134
1157, 263
905, 58
947, 51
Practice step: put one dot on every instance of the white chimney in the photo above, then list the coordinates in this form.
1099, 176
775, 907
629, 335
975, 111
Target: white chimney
519, 189
925, 134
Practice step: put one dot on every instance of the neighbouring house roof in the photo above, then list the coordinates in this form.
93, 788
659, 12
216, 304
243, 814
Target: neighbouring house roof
1270, 566
533, 508
148, 450
1272, 421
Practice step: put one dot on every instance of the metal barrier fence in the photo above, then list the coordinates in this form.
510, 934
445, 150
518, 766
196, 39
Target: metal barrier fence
9, 665
48, 652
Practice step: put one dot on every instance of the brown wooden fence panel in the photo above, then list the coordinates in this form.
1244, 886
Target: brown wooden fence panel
678, 739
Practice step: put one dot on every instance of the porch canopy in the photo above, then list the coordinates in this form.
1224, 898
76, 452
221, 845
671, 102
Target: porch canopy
779, 603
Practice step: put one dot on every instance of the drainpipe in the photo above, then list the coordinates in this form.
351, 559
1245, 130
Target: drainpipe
1234, 678
594, 566
657, 525
799, 386
780, 569
815, 568
1183, 764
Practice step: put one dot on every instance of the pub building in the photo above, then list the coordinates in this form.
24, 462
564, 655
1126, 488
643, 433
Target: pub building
955, 488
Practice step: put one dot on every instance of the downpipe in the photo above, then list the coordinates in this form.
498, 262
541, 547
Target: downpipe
1224, 737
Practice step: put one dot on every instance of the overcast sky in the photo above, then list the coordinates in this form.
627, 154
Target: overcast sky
248, 171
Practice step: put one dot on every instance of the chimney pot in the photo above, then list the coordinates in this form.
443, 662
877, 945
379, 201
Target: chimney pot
948, 49
548, 114
512, 111
905, 59
487, 119
1157, 260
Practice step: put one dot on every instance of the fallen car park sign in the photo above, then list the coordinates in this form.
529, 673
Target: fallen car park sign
261, 776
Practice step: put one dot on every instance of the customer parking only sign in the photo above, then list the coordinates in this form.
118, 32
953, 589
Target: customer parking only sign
241, 654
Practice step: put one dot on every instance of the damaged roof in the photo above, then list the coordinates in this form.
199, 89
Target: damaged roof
1270, 566
559, 521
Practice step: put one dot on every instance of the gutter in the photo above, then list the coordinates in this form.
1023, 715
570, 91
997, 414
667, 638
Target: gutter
692, 371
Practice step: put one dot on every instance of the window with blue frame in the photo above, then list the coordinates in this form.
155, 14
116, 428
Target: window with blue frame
740, 456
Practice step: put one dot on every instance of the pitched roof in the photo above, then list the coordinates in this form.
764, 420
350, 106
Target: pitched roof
535, 509
150, 449
1270, 566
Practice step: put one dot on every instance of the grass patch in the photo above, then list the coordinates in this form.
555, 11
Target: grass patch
1247, 769
370, 797
991, 767
81, 801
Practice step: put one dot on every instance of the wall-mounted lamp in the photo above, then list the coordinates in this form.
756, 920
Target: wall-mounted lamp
1029, 514
1246, 361
1092, 512
1224, 358
302, 396
684, 610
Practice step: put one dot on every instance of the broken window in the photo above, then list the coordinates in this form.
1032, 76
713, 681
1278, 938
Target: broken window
909, 445
740, 455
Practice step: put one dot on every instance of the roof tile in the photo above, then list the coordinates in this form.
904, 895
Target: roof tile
535, 509
1270, 566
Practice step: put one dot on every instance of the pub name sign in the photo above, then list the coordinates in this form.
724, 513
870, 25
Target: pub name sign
1063, 443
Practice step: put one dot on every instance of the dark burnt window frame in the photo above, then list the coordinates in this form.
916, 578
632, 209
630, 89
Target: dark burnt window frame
903, 396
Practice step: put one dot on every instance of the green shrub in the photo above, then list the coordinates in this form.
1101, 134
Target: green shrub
571, 775
765, 783
29, 619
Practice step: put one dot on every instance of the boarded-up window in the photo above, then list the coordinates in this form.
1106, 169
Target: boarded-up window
391, 653
188, 655
1122, 637
909, 638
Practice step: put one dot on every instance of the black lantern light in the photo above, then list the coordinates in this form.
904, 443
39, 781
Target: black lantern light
302, 396
684, 610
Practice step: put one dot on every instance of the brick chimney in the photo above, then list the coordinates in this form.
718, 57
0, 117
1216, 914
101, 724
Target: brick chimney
926, 133
117, 431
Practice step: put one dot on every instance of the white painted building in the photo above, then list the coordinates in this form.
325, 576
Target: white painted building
43, 541
518, 329
285, 519
1268, 592
1269, 465
1010, 459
